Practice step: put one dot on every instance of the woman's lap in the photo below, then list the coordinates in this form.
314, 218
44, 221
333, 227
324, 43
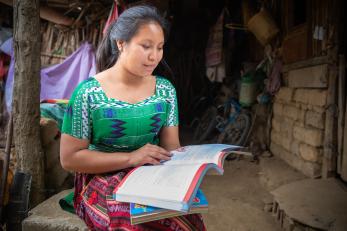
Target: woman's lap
94, 204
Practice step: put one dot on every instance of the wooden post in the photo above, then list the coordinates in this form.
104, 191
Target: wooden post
330, 147
344, 144
26, 94
341, 106
330, 134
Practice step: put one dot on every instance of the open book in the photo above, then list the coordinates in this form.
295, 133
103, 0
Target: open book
143, 213
174, 183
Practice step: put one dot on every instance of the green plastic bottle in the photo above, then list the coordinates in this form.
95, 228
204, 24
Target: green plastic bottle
248, 90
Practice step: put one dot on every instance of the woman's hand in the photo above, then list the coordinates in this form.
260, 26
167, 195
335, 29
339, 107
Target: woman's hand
149, 154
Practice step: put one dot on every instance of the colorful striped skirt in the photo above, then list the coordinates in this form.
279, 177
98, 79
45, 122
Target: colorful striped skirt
94, 204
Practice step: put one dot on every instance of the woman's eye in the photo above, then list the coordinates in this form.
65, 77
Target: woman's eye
160, 48
146, 47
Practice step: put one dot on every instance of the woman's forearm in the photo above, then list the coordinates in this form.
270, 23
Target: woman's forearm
171, 146
89, 161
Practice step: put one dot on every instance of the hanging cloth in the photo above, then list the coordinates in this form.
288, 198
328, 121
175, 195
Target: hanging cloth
215, 67
4, 58
214, 47
274, 83
57, 81
111, 17
7, 48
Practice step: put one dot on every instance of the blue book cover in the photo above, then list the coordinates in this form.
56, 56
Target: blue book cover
142, 213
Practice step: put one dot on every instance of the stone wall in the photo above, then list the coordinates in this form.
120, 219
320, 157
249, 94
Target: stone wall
298, 123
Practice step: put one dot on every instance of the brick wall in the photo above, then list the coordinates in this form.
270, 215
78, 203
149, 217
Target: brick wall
298, 123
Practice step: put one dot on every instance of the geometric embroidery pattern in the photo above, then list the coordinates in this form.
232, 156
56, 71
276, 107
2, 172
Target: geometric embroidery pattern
112, 125
156, 124
117, 129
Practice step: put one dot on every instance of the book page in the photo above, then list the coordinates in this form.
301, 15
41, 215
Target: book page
197, 154
164, 182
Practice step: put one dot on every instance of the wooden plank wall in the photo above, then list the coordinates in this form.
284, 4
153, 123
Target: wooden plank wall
311, 38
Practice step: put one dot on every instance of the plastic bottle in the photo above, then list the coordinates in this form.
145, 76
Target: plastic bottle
248, 90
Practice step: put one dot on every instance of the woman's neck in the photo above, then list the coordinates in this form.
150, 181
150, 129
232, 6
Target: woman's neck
119, 74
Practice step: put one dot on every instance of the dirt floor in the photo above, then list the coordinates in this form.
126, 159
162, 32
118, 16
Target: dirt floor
237, 198
240, 200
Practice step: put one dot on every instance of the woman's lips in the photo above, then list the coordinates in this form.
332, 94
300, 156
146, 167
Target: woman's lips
149, 67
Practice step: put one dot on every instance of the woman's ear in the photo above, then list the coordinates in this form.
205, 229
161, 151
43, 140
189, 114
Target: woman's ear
120, 45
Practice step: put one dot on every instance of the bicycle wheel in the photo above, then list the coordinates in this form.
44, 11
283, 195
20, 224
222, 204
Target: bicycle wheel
206, 125
236, 132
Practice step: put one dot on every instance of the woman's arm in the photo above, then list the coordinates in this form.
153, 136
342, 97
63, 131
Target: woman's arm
169, 138
75, 156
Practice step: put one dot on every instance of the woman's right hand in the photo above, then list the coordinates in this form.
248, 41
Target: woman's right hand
149, 154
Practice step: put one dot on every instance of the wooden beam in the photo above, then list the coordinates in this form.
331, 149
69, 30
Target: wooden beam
26, 95
49, 14
309, 77
307, 63
7, 2
53, 16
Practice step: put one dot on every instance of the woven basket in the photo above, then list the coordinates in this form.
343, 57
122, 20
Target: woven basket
263, 27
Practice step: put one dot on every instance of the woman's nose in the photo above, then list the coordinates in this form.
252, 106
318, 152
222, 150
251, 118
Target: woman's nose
154, 55
151, 56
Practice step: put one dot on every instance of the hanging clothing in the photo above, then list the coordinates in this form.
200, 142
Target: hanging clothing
57, 81
7, 48
215, 67
113, 16
274, 83
214, 47
4, 59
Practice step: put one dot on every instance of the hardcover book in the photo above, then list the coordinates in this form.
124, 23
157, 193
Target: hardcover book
174, 183
143, 213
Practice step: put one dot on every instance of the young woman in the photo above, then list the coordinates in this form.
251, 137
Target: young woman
121, 118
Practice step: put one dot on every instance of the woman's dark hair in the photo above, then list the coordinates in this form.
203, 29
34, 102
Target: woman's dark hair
124, 28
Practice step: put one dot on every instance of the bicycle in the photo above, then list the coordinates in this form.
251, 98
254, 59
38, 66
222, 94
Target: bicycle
230, 121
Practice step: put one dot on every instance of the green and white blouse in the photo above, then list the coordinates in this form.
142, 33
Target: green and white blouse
113, 125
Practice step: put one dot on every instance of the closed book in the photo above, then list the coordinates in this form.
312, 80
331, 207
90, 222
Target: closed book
143, 213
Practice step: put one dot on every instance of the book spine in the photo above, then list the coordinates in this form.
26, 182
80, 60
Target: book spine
192, 187
220, 159
123, 180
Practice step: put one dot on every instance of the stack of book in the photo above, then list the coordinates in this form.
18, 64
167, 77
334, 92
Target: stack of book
172, 188
143, 213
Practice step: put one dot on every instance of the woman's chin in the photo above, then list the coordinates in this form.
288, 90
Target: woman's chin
142, 73
147, 72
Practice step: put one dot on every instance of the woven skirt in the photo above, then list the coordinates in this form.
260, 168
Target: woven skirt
94, 204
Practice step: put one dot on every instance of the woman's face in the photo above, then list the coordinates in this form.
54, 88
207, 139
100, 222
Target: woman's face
143, 52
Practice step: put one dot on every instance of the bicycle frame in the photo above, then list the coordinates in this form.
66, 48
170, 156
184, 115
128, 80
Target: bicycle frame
233, 109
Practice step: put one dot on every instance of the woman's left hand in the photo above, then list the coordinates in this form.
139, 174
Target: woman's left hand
149, 154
